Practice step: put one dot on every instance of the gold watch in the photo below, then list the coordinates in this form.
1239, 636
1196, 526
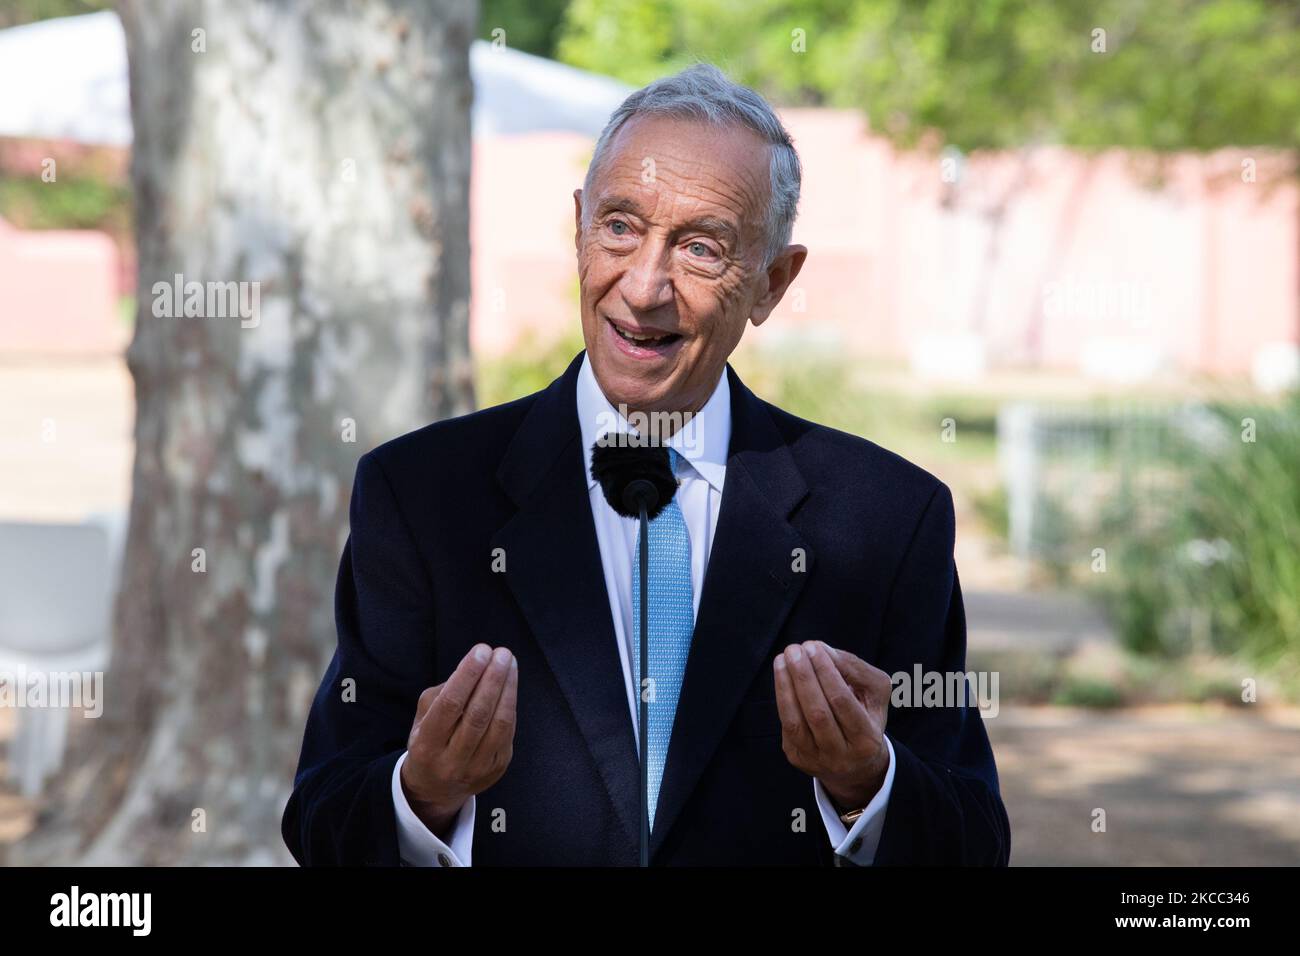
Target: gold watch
849, 818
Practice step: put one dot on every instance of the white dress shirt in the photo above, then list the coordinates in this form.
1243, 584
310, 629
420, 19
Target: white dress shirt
703, 443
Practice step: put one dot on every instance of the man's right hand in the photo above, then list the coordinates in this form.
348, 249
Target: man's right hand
463, 736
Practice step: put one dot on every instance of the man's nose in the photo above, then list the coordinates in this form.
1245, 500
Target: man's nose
646, 285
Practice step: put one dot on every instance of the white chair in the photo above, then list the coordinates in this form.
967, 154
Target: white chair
56, 588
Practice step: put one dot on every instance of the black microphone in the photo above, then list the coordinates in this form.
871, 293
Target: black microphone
633, 475
638, 482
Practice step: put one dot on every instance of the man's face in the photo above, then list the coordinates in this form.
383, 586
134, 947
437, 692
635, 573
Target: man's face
673, 252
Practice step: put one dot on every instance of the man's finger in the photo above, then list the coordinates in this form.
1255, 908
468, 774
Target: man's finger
501, 731
787, 704
816, 711
849, 712
477, 718
861, 676
445, 711
427, 697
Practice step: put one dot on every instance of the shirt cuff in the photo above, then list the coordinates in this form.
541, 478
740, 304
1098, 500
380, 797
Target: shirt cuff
416, 843
858, 845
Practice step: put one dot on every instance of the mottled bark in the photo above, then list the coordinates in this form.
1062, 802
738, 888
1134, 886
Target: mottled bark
320, 150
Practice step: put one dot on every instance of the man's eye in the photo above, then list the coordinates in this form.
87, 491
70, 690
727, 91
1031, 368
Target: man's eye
618, 227
699, 249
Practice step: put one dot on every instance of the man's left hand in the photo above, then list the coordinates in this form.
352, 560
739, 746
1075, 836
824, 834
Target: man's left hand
833, 709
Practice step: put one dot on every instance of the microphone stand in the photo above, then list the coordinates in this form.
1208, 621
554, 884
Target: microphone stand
634, 481
645, 671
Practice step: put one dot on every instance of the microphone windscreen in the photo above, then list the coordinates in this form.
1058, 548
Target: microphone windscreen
617, 465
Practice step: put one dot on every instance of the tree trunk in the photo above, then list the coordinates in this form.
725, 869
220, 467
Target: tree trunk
320, 153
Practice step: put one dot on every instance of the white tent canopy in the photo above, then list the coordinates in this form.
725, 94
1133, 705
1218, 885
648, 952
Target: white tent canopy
67, 79
520, 93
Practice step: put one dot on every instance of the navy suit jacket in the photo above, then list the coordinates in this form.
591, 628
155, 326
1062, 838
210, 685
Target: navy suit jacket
417, 589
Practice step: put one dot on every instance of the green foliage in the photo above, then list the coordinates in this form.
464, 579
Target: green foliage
126, 311
839, 390
1088, 692
993, 508
1197, 74
529, 367
1123, 678
73, 202
1173, 74
808, 383
15, 12
1215, 566
530, 25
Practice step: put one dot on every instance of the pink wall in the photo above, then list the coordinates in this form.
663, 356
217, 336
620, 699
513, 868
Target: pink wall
58, 293
521, 236
1091, 265
1092, 261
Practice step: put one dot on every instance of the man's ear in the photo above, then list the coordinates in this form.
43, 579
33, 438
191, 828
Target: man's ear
780, 274
577, 219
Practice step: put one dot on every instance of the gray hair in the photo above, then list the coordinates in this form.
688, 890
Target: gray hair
703, 92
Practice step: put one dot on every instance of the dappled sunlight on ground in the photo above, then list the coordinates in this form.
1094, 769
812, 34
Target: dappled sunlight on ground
1179, 785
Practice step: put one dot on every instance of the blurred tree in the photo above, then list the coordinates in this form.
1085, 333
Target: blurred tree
318, 155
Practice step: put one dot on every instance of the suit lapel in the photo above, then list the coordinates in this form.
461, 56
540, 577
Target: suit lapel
554, 570
749, 588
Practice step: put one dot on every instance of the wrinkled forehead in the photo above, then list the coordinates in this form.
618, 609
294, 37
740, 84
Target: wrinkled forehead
687, 166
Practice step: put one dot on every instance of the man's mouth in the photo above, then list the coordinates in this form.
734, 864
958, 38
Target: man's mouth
653, 343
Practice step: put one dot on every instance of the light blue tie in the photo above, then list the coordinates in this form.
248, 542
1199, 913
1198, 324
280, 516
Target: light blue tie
671, 621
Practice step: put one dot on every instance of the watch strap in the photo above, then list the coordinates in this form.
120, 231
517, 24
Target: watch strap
850, 817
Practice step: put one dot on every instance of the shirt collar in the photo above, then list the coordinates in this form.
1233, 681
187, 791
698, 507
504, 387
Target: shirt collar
703, 441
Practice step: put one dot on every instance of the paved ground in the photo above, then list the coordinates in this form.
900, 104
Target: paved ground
16, 814
1179, 786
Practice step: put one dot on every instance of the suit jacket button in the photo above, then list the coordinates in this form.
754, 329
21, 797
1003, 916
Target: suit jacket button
444, 859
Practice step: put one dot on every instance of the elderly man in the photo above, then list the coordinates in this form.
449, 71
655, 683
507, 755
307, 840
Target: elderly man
480, 707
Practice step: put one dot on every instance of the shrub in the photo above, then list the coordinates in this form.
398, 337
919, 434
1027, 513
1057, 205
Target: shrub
1214, 562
